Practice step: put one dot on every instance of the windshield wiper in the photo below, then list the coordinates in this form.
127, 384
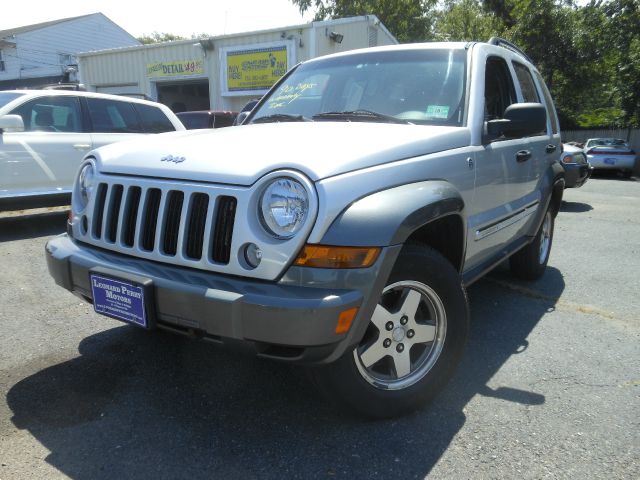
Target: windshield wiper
359, 116
282, 117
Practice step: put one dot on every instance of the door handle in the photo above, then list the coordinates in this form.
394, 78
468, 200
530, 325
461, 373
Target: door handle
523, 156
550, 148
82, 146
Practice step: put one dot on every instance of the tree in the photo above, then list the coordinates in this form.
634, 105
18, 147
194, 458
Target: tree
158, 37
465, 20
408, 20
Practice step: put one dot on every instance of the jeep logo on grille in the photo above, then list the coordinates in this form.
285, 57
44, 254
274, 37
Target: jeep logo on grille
172, 159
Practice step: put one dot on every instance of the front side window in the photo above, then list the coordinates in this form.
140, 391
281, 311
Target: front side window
425, 87
498, 89
51, 114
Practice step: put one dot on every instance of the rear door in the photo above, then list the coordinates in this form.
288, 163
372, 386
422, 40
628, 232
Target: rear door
544, 146
44, 157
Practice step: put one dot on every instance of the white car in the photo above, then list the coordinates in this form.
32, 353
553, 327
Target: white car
44, 134
610, 154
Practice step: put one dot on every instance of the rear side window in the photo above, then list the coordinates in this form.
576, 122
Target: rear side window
51, 114
153, 119
109, 116
527, 86
549, 102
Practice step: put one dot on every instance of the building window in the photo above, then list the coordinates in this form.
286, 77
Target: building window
1, 62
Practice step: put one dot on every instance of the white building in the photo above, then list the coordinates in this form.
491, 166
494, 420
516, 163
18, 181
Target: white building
223, 73
36, 55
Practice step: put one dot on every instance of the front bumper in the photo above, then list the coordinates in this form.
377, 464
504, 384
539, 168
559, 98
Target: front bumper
293, 319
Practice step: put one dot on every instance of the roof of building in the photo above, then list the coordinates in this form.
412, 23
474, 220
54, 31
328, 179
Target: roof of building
37, 26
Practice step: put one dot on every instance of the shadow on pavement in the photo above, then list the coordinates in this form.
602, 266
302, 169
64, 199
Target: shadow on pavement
140, 405
575, 207
32, 226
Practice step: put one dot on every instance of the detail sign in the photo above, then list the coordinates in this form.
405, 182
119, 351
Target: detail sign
175, 69
255, 69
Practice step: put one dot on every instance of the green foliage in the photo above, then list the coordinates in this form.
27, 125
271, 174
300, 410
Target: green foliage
466, 20
158, 37
408, 20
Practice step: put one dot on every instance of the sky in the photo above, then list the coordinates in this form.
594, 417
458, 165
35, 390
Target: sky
183, 17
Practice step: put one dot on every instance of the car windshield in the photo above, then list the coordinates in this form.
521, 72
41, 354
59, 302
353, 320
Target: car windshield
425, 87
6, 97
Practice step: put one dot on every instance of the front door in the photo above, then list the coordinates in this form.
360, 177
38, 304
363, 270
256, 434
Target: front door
45, 157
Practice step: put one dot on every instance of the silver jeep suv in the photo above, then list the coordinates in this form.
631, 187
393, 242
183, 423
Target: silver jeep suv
339, 225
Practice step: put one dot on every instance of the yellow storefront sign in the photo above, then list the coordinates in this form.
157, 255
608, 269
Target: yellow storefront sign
256, 69
174, 69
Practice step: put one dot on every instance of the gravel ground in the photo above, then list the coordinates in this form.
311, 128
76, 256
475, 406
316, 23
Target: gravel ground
549, 386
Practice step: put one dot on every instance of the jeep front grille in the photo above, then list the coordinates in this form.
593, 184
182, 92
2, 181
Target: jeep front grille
172, 223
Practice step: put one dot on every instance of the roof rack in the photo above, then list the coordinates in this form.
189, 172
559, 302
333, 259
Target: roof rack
501, 42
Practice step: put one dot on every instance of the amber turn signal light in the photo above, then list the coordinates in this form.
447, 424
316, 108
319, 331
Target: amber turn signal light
322, 256
345, 319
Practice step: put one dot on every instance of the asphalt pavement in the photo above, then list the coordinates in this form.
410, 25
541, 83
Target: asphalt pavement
549, 386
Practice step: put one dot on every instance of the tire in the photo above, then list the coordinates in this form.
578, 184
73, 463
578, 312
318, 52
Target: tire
530, 262
413, 342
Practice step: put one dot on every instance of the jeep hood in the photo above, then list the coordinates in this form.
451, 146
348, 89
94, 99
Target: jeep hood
241, 155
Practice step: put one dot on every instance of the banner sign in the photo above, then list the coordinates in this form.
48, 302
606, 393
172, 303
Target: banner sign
175, 69
256, 69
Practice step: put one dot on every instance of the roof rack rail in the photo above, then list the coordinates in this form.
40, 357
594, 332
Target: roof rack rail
501, 42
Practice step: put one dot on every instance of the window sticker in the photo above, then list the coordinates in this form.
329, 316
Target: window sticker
438, 111
289, 94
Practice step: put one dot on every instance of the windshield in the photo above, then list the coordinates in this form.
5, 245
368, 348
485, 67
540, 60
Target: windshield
6, 97
424, 87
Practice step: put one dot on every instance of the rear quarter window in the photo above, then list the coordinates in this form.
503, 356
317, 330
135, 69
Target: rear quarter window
153, 119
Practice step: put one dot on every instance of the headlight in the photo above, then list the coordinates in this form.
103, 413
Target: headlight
284, 207
85, 183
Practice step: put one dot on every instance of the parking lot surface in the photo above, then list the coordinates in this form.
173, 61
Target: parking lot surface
549, 386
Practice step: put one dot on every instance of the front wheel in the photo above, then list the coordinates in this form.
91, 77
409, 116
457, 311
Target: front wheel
413, 342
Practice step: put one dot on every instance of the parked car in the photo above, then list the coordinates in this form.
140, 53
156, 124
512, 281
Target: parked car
207, 119
576, 167
44, 134
610, 154
340, 226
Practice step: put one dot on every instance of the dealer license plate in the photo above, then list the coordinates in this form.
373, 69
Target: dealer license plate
119, 299
610, 161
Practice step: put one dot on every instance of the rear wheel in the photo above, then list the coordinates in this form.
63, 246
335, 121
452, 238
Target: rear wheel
530, 262
413, 342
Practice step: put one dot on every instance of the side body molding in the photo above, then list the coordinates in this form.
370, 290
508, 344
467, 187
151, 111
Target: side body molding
390, 216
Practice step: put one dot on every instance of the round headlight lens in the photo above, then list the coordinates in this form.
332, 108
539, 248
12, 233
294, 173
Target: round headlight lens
85, 183
284, 207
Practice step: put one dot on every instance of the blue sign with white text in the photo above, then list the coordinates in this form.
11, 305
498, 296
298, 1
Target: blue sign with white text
118, 299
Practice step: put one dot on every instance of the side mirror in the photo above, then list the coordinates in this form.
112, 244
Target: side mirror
520, 120
12, 123
241, 116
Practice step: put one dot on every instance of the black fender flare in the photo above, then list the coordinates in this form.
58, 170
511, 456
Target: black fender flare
390, 216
